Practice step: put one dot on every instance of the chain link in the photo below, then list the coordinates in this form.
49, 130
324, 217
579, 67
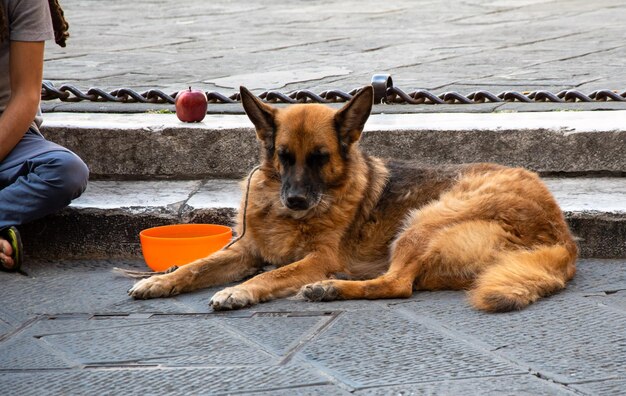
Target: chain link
384, 92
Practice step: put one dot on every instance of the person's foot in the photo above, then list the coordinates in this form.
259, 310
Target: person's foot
10, 249
5, 254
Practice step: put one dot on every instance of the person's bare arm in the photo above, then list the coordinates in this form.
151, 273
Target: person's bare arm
26, 70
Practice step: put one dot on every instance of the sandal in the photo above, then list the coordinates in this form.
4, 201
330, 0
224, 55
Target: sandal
12, 235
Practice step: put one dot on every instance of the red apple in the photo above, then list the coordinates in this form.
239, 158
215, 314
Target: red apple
191, 105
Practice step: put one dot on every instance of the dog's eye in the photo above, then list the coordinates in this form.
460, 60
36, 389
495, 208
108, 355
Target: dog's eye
286, 158
318, 159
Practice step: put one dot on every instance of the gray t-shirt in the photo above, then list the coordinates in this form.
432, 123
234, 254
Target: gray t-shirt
29, 20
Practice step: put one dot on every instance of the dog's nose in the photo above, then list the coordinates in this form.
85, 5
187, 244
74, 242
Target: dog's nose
297, 202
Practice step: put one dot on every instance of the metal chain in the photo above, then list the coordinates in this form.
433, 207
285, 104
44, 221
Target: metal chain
384, 92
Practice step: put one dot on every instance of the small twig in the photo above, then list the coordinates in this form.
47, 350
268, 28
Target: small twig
142, 274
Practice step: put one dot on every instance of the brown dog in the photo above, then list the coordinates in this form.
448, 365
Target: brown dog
318, 207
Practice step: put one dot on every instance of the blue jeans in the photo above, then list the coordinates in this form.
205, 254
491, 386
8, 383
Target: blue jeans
38, 178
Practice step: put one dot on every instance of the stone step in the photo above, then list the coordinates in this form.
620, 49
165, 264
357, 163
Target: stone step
148, 146
105, 222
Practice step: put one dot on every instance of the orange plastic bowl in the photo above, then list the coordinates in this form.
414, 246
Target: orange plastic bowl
180, 244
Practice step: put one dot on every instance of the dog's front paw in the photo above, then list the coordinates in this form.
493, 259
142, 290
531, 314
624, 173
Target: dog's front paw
153, 287
320, 291
232, 298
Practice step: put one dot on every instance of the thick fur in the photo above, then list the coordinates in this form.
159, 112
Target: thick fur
319, 207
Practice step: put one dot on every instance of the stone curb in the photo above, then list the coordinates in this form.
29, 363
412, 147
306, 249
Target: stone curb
105, 222
237, 108
145, 146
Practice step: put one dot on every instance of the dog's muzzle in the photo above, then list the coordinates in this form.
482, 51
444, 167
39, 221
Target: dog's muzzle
297, 202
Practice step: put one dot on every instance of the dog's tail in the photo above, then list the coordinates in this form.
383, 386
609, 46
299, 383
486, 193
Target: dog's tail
521, 277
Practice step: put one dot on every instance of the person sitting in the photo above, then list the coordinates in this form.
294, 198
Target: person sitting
37, 176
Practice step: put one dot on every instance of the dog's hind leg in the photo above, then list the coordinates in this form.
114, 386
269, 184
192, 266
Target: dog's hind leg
447, 257
232, 264
397, 282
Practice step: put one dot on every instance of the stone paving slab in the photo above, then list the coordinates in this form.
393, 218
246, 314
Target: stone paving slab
106, 220
529, 335
610, 387
514, 385
144, 146
73, 330
211, 380
277, 44
415, 352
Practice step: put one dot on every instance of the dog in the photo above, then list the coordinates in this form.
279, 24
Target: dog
340, 224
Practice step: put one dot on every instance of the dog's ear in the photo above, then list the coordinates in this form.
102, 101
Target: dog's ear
350, 120
261, 115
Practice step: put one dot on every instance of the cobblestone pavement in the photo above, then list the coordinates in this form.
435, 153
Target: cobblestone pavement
278, 44
69, 328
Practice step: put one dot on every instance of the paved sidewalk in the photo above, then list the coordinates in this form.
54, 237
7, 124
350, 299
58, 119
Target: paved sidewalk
69, 328
496, 45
